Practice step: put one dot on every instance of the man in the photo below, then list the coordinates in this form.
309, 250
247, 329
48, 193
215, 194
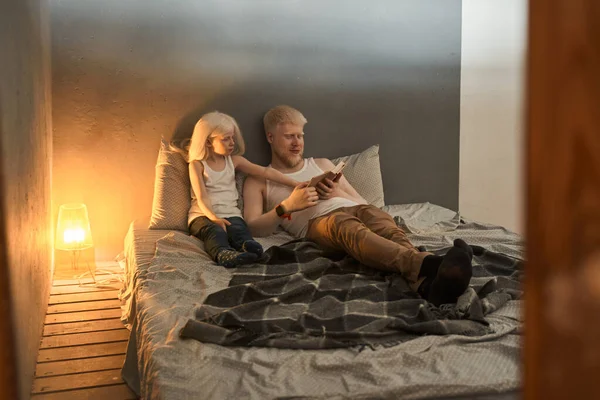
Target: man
336, 217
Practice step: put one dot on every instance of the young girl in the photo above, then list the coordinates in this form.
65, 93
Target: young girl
214, 155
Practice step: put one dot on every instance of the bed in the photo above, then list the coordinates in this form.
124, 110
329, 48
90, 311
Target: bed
170, 280
168, 276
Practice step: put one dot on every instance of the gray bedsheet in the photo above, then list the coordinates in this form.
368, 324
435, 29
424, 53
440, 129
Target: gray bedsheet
165, 291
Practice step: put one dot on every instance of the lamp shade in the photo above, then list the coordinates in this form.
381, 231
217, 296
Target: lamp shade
73, 228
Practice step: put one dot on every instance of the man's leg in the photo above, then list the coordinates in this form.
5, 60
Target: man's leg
442, 279
382, 224
240, 237
341, 230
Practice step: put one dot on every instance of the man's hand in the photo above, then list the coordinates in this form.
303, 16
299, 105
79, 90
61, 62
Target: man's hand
301, 198
223, 223
327, 189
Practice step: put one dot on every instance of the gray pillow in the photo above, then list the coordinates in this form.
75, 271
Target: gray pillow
172, 198
363, 171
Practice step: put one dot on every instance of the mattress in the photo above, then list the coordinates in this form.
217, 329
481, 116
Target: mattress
159, 298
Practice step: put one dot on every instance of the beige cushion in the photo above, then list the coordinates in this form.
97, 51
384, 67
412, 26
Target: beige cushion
171, 201
363, 171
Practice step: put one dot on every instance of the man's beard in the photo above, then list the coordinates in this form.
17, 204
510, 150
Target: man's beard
289, 161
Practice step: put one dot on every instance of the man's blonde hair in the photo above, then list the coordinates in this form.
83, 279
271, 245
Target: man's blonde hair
282, 115
211, 124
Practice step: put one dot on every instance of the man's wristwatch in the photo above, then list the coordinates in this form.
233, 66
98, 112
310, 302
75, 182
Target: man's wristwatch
282, 213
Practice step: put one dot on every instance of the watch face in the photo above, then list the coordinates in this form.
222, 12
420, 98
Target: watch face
279, 210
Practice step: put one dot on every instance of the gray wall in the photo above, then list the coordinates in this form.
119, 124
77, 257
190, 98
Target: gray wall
363, 72
25, 100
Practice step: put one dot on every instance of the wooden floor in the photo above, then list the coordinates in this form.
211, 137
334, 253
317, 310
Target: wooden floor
83, 344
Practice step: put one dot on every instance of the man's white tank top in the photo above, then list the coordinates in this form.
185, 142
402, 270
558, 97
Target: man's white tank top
222, 192
298, 225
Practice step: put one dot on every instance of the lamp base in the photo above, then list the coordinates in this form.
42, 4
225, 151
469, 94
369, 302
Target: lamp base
75, 256
75, 267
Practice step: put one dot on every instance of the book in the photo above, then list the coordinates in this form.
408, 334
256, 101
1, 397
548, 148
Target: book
334, 174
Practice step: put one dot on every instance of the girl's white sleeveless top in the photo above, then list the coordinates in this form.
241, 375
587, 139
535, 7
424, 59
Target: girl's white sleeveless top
222, 192
298, 225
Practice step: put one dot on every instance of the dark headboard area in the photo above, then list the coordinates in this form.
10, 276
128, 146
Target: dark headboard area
363, 72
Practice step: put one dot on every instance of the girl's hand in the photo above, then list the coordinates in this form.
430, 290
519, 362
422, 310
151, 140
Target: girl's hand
223, 223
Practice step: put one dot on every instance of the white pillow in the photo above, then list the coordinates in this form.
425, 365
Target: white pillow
172, 198
363, 171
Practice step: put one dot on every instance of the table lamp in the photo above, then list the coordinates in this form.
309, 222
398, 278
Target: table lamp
73, 232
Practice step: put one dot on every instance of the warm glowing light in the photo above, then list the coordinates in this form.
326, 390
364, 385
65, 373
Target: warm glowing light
74, 235
73, 228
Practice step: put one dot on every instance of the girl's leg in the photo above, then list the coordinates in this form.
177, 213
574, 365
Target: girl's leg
241, 238
216, 243
214, 238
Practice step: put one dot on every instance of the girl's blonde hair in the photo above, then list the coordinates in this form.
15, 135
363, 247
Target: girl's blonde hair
211, 124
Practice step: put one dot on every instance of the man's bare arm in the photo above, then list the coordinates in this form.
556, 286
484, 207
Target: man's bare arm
260, 224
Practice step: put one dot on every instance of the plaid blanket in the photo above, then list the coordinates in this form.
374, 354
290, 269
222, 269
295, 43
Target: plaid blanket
300, 296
